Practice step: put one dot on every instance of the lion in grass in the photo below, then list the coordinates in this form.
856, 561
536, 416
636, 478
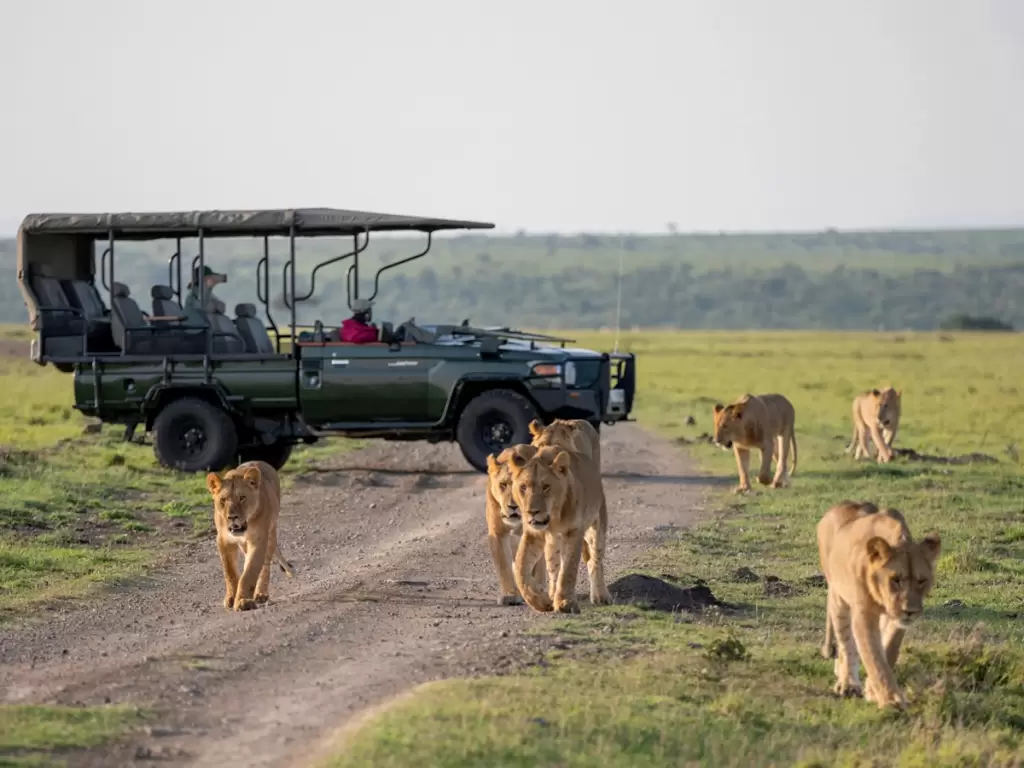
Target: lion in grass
765, 422
562, 500
503, 520
571, 434
876, 413
246, 507
878, 578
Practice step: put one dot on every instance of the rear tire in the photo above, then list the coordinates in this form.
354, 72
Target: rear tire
191, 435
491, 422
275, 454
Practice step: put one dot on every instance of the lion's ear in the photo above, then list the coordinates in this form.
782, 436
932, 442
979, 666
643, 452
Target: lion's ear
875, 393
253, 477
492, 463
521, 454
719, 408
536, 427
878, 550
562, 462
737, 409
931, 546
899, 393
213, 483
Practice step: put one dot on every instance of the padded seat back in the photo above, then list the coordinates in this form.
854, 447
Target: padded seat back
252, 331
125, 314
226, 337
164, 302
85, 297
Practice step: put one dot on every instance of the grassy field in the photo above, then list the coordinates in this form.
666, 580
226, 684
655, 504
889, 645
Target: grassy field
746, 687
81, 510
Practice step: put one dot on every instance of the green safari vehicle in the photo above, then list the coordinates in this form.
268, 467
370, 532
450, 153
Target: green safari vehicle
215, 389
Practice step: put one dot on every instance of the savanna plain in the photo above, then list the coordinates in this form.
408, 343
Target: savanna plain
738, 684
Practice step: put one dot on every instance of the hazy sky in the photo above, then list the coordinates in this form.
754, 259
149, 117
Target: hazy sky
568, 115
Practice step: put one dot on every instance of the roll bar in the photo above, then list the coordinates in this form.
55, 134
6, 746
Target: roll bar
312, 278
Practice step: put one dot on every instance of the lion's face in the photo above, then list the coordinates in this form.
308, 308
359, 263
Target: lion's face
903, 575
539, 486
888, 403
236, 497
728, 421
499, 484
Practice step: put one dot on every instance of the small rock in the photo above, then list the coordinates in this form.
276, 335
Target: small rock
690, 421
953, 604
92, 428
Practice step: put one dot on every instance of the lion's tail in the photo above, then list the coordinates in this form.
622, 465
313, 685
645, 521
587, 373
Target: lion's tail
284, 564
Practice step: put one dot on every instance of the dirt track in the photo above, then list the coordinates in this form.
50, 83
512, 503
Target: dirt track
394, 587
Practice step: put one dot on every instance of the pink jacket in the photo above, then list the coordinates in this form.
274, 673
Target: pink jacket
356, 332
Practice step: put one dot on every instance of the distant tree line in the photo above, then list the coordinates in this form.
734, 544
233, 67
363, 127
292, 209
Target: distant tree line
825, 280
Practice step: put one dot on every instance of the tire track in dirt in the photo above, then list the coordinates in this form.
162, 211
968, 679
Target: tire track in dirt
395, 587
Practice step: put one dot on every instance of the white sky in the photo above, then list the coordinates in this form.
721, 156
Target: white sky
597, 115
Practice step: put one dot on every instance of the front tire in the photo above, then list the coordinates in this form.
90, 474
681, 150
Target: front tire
491, 422
275, 454
191, 435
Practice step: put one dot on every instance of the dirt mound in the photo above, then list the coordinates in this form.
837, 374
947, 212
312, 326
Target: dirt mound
968, 458
657, 595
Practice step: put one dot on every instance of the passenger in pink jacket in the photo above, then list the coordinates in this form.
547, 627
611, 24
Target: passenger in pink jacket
358, 329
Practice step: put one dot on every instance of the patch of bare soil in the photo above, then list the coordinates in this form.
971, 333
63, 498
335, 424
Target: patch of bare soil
394, 587
659, 595
968, 458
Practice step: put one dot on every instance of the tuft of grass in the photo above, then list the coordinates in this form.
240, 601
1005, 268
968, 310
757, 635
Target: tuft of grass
42, 735
747, 687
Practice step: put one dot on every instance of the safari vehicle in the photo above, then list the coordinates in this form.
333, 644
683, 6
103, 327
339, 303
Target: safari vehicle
214, 390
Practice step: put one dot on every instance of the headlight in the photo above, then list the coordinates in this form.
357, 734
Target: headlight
555, 371
547, 370
570, 374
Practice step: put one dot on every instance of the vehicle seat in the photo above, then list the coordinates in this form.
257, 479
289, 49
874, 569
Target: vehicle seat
124, 316
84, 296
164, 302
226, 337
252, 331
56, 315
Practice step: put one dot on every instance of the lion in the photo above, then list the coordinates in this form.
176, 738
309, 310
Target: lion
246, 507
878, 578
876, 413
765, 422
503, 520
571, 434
562, 500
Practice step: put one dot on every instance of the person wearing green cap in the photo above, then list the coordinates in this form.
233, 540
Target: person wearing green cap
210, 278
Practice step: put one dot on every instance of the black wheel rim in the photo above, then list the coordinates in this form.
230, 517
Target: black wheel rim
495, 431
192, 439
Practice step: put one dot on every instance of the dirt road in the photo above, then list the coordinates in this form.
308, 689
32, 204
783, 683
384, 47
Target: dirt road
394, 587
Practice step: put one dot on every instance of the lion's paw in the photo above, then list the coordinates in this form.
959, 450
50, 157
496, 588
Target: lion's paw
262, 599
847, 689
741, 490
510, 600
245, 604
567, 606
229, 601
764, 479
601, 598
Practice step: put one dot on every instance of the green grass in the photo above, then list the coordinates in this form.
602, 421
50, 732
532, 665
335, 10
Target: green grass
38, 735
81, 510
747, 687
